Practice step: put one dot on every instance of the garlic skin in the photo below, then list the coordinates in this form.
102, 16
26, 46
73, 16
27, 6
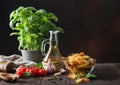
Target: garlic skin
62, 70
49, 67
58, 74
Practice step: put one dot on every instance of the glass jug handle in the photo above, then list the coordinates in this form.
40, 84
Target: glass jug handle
44, 43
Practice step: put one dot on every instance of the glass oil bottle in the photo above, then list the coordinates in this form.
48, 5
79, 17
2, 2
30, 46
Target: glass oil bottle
53, 53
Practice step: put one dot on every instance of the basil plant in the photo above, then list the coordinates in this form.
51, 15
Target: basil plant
32, 26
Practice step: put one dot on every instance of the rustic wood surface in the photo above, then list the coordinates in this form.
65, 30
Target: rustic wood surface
107, 74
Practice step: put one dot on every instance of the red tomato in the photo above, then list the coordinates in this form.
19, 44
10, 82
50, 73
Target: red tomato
20, 73
32, 71
42, 72
21, 68
27, 69
36, 69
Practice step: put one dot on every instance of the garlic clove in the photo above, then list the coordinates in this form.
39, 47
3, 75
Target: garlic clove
57, 74
62, 70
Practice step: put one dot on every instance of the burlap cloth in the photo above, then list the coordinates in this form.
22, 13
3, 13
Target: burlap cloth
17, 59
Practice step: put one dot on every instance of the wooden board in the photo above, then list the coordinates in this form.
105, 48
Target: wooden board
107, 74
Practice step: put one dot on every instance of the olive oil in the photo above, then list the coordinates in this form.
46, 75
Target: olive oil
53, 52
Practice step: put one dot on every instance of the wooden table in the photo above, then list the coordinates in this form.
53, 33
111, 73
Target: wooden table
107, 74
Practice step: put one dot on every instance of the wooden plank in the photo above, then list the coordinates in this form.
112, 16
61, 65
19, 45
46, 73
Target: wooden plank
26, 81
58, 80
107, 71
118, 66
107, 74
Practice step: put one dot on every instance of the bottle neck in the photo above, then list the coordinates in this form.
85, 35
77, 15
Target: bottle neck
54, 38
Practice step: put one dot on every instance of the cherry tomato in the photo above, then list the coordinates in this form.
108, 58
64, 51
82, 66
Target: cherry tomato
36, 70
21, 68
20, 73
27, 70
32, 71
42, 72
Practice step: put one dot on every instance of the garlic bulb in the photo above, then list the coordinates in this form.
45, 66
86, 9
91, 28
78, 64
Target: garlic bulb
49, 67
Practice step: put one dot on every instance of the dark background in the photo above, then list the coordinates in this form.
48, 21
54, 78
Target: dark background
92, 26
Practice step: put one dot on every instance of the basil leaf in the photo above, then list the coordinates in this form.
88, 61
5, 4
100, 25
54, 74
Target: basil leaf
90, 76
40, 65
27, 74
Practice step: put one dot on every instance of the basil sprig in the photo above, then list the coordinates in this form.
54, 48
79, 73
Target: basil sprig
32, 26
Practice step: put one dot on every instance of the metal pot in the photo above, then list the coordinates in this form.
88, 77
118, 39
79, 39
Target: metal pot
35, 56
